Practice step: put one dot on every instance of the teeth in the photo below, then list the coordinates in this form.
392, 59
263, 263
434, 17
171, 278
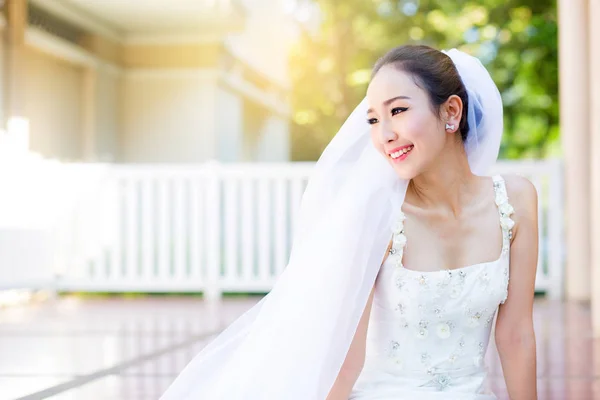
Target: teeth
401, 152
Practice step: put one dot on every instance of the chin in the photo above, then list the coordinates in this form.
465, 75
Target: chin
405, 172
407, 168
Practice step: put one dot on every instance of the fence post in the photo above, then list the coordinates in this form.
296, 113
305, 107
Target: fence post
212, 290
555, 232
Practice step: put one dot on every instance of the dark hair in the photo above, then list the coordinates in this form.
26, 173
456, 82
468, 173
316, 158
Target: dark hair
434, 72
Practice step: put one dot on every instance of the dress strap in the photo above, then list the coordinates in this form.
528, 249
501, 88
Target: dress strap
398, 239
505, 210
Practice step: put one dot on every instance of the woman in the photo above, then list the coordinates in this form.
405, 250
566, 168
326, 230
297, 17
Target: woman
340, 323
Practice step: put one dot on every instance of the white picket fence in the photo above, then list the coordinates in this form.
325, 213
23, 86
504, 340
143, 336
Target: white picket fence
217, 228
211, 228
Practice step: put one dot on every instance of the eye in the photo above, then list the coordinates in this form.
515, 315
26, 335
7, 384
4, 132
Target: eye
372, 121
398, 110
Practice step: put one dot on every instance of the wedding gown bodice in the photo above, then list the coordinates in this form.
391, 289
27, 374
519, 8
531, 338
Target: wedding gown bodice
428, 331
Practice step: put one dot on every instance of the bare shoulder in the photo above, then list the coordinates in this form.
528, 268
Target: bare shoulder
521, 191
523, 196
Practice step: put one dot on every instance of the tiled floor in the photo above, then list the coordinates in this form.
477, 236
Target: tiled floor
130, 349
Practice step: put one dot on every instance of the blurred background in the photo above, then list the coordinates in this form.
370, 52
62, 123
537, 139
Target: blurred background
153, 155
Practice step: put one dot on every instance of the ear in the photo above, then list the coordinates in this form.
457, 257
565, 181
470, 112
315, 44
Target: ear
452, 112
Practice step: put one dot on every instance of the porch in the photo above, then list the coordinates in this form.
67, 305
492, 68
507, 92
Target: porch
129, 349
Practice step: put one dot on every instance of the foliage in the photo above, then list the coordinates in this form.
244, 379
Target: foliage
515, 39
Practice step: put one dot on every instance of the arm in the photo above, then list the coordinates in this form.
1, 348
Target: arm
515, 338
355, 358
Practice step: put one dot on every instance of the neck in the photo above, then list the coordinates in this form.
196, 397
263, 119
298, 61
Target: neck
448, 183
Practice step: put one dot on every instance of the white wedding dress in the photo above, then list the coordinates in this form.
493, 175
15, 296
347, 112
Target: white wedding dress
428, 331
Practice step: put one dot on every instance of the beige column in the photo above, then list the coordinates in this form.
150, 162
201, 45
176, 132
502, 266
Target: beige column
574, 129
594, 74
16, 18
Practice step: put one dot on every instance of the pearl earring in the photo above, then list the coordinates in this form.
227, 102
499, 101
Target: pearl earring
449, 127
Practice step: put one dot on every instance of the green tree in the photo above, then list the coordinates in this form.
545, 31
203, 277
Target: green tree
515, 39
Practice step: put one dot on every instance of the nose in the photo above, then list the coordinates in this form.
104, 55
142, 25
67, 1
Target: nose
387, 134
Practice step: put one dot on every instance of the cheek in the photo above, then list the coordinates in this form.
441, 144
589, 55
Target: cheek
375, 141
423, 130
415, 128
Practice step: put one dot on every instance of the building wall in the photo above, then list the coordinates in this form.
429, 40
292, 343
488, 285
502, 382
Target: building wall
53, 101
100, 100
54, 94
167, 117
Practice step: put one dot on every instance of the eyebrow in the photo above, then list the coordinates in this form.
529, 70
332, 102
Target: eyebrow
388, 101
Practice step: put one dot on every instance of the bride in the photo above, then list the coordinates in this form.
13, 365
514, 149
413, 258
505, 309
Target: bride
405, 257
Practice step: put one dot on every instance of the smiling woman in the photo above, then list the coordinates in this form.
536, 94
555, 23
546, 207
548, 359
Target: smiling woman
426, 327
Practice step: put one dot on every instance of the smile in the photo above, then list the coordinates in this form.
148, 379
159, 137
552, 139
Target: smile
400, 154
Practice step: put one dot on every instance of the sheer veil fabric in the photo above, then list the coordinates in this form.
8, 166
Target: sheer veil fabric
292, 344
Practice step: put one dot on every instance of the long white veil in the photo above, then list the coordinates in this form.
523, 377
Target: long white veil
292, 344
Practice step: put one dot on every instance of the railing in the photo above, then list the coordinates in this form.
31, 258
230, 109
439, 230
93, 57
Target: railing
218, 228
211, 228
